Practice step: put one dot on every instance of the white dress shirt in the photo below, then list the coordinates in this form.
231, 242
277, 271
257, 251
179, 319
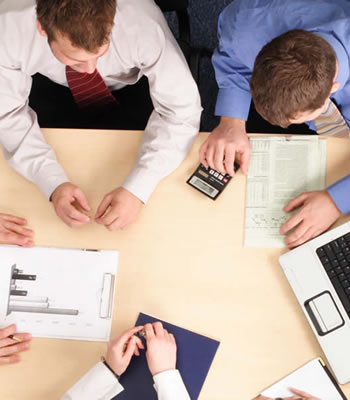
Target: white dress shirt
141, 44
100, 384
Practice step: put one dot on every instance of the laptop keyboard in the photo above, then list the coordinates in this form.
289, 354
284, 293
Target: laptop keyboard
335, 258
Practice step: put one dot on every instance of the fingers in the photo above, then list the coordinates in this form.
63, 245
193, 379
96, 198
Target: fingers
301, 238
14, 219
302, 394
158, 329
292, 222
218, 157
82, 200
15, 358
229, 160
102, 208
131, 346
21, 230
9, 330
244, 161
202, 154
14, 348
124, 338
14, 238
72, 217
149, 331
297, 202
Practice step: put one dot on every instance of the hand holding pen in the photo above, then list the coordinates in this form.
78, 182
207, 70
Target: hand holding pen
12, 343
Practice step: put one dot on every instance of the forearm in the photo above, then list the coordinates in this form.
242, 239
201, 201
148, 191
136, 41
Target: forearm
98, 383
165, 144
169, 386
21, 138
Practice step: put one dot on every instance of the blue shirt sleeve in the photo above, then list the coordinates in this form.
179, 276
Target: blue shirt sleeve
232, 75
340, 192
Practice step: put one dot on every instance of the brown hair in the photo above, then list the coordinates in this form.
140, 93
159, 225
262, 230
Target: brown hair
293, 73
87, 23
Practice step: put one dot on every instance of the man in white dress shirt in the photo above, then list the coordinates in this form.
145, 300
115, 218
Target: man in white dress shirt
120, 42
101, 382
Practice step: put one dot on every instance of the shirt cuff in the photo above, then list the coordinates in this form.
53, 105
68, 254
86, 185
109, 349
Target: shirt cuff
141, 182
340, 192
169, 386
98, 383
233, 102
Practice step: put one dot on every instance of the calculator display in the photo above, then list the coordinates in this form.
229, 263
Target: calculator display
203, 186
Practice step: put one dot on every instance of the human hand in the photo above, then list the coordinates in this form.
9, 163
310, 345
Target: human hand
121, 350
67, 199
161, 348
297, 395
316, 214
12, 231
219, 150
118, 209
9, 348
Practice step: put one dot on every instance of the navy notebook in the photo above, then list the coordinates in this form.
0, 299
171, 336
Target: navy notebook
195, 353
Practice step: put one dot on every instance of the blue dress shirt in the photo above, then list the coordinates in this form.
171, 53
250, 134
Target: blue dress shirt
245, 26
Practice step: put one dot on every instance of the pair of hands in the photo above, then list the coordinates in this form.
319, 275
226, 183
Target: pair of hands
297, 395
317, 211
118, 209
160, 354
10, 348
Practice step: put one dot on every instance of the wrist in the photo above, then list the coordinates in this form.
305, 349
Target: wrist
105, 363
231, 121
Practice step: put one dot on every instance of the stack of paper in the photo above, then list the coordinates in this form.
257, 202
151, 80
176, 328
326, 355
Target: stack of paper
280, 169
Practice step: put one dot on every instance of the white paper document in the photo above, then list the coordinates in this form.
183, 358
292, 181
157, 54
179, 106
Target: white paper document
58, 293
312, 378
280, 169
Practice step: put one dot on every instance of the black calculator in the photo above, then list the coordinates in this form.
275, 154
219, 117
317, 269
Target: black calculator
210, 182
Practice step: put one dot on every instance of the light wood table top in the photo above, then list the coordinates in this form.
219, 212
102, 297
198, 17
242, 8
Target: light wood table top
183, 261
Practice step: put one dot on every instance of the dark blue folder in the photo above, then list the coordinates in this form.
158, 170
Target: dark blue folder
195, 353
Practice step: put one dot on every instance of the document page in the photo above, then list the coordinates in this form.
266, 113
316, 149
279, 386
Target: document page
280, 169
58, 293
312, 378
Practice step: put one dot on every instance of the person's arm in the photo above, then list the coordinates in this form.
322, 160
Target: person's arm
161, 360
21, 138
172, 126
232, 105
27, 151
174, 123
101, 382
317, 212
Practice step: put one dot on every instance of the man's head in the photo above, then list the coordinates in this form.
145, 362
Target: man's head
293, 77
78, 31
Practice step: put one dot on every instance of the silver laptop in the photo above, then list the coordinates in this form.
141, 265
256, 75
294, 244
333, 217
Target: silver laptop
319, 274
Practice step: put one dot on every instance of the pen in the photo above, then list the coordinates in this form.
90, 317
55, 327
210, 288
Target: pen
15, 338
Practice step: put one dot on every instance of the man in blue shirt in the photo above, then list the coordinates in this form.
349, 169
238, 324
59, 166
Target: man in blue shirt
308, 72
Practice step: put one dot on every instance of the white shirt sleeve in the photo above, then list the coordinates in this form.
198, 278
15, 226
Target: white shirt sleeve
174, 123
169, 386
21, 138
98, 384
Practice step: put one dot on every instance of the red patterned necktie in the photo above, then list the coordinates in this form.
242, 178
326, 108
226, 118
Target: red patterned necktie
90, 91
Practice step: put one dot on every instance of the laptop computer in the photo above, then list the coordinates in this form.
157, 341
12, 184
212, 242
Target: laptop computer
319, 274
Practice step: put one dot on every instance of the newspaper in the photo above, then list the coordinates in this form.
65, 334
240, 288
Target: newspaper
280, 169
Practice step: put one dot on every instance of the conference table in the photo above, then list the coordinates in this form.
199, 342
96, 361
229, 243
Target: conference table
183, 261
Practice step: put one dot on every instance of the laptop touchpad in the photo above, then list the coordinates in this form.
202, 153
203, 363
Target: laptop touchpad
324, 313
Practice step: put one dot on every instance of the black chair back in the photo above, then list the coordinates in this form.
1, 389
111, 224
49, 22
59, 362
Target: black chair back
172, 5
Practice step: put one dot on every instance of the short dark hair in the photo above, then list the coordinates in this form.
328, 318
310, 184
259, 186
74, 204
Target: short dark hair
293, 73
87, 23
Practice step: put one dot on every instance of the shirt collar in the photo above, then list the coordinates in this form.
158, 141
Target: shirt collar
342, 57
